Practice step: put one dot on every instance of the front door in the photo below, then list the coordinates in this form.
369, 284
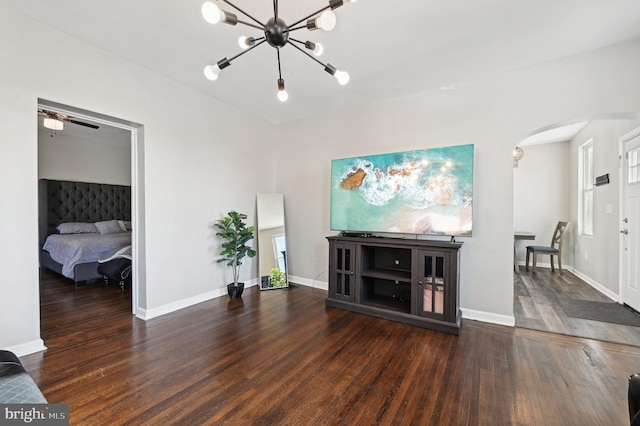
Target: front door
630, 227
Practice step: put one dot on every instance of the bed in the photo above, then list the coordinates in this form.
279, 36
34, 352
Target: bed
67, 211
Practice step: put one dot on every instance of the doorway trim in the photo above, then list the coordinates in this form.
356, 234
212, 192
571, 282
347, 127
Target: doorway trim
622, 140
138, 281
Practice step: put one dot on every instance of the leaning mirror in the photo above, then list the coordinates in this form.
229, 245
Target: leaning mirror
272, 247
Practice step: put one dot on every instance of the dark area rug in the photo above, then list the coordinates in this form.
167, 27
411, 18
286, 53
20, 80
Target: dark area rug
600, 311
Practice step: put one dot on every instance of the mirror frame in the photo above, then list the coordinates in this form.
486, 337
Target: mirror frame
271, 225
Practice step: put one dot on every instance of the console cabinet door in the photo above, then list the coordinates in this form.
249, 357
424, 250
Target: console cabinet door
342, 269
434, 285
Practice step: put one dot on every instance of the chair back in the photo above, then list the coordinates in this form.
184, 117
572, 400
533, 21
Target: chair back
558, 235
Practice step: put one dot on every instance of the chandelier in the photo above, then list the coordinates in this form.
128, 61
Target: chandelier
277, 35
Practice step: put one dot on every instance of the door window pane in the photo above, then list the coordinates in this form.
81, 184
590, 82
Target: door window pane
634, 173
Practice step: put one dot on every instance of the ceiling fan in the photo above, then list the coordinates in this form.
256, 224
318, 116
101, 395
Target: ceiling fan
56, 120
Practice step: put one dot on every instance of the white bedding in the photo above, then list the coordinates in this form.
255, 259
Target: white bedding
72, 249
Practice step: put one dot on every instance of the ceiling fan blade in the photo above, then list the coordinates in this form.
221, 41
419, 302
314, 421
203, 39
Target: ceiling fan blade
93, 126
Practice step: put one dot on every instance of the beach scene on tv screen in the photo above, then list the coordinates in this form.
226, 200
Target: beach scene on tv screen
427, 191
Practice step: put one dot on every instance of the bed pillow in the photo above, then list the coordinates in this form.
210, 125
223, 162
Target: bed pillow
110, 227
125, 224
77, 228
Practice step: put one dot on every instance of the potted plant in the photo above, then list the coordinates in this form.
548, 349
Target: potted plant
234, 234
278, 278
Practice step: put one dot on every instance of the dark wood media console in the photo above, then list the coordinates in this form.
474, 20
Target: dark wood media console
408, 280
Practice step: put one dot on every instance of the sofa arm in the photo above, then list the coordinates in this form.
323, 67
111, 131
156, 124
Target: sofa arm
16, 385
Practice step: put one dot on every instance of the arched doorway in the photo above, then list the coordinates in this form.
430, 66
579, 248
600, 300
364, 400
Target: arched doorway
547, 189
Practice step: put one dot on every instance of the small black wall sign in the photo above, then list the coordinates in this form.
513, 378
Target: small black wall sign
602, 180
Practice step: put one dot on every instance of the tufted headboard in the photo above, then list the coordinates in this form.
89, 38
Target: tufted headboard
62, 201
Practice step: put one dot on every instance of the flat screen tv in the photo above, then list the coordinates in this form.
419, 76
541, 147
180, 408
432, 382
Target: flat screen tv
428, 191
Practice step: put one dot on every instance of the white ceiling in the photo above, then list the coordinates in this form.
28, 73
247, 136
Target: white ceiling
556, 134
390, 49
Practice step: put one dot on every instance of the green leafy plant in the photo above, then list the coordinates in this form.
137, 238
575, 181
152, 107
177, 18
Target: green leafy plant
235, 235
278, 278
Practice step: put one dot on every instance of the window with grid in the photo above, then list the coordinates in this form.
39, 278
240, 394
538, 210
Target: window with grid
586, 190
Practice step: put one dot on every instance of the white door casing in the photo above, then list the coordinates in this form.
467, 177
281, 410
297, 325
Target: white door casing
630, 220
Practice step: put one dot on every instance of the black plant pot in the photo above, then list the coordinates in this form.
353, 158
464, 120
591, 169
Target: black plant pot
235, 292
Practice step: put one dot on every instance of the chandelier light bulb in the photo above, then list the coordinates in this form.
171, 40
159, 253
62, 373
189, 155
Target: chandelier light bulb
211, 13
318, 50
342, 77
246, 42
212, 72
326, 21
283, 95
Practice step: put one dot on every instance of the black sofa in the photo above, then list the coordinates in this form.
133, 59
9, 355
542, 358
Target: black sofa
16, 385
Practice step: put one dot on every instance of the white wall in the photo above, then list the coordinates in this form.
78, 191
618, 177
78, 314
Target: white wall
541, 196
494, 114
194, 147
67, 157
196, 168
596, 257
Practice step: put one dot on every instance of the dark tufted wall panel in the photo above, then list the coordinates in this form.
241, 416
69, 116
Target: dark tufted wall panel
65, 201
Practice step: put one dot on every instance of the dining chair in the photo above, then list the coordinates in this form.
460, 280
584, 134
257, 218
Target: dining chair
555, 249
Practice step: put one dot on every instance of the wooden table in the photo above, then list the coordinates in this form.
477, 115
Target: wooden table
520, 235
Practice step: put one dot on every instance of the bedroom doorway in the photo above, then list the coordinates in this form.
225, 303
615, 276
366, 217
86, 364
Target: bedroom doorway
86, 146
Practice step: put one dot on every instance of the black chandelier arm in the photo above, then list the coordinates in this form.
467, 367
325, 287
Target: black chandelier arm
244, 13
307, 17
306, 53
296, 40
248, 24
275, 9
246, 51
279, 69
296, 28
306, 44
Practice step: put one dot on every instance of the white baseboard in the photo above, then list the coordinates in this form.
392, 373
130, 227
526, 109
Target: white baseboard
538, 265
181, 304
309, 283
189, 301
27, 348
593, 283
488, 317
466, 313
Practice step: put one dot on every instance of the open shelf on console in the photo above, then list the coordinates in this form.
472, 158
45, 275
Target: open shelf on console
393, 295
387, 258
387, 275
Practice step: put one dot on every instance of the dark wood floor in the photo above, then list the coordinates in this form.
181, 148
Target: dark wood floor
537, 306
281, 357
